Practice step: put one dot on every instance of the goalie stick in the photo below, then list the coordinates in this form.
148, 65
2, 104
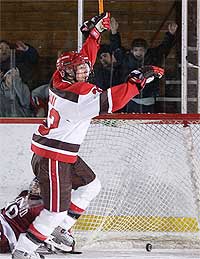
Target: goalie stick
46, 249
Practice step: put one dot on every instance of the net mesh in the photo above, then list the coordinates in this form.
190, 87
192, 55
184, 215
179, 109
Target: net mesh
149, 172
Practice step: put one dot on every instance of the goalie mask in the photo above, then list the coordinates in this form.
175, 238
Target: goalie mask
73, 66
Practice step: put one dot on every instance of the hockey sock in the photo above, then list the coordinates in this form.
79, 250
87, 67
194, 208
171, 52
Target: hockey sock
45, 223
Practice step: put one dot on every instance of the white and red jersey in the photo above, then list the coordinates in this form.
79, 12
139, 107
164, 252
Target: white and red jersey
71, 108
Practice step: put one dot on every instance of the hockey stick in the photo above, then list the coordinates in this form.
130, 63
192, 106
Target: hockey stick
101, 6
193, 65
190, 64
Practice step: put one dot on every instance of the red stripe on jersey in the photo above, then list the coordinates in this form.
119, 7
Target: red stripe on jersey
54, 186
53, 155
75, 208
36, 233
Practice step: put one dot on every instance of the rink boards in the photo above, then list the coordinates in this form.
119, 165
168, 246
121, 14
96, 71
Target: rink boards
16, 175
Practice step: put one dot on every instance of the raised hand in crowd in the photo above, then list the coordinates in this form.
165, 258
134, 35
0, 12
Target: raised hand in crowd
12, 76
114, 25
21, 55
20, 45
172, 28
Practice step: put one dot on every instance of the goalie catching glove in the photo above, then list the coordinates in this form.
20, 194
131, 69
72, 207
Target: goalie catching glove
96, 25
145, 75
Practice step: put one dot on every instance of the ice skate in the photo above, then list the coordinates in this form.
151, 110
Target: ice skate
61, 239
25, 255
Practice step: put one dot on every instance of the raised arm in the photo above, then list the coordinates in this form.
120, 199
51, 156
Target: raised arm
93, 101
115, 38
168, 41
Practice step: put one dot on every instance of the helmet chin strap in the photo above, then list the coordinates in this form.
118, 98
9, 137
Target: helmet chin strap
68, 76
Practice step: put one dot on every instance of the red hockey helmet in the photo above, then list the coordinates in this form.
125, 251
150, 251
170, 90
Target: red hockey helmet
68, 61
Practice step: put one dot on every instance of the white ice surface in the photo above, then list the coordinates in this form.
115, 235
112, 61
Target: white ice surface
122, 254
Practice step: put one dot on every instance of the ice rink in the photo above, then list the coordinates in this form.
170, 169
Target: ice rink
122, 254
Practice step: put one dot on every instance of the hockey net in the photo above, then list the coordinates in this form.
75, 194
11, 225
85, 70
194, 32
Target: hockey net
149, 168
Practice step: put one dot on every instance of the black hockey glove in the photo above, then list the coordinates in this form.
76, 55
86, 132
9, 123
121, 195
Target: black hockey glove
145, 75
96, 25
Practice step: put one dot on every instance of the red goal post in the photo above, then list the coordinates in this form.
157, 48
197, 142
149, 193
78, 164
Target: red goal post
148, 165
160, 118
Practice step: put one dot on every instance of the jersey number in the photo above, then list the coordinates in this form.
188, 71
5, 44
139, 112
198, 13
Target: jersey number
54, 117
16, 208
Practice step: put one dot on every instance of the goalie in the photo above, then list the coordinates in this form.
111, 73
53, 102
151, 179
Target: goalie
73, 102
17, 215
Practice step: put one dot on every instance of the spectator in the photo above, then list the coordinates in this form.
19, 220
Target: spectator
109, 70
39, 98
20, 55
141, 55
14, 95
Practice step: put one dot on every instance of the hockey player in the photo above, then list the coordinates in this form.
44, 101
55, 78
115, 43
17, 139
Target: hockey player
73, 102
16, 217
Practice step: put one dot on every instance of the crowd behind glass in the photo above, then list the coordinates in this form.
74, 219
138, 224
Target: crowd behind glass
22, 96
